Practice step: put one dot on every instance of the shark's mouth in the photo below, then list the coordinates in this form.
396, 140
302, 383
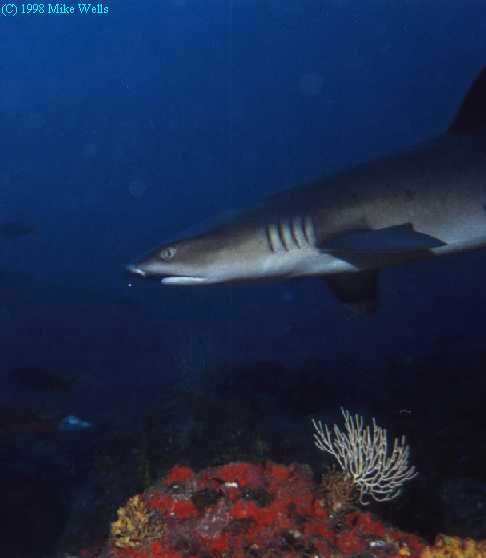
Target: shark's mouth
168, 279
182, 280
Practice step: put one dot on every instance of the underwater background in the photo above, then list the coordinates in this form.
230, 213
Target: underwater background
123, 129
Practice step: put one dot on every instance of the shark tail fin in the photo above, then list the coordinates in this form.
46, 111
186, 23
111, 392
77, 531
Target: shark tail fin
471, 116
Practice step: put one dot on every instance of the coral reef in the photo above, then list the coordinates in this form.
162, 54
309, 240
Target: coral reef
244, 510
455, 547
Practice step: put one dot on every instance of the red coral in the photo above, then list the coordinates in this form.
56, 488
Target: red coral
318, 509
184, 509
232, 493
349, 542
220, 543
305, 505
244, 510
322, 547
317, 527
159, 501
245, 474
158, 550
168, 506
271, 515
366, 524
179, 473
279, 473
239, 509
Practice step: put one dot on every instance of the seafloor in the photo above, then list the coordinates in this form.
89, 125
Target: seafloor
61, 490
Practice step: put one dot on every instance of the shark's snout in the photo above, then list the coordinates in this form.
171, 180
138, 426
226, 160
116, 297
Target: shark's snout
134, 269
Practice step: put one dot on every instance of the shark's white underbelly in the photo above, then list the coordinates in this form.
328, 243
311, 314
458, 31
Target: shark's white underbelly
305, 263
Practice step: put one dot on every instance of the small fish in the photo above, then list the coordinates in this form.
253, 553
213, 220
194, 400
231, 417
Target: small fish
72, 423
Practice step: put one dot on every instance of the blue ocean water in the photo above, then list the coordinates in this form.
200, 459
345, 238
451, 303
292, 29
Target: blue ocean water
122, 128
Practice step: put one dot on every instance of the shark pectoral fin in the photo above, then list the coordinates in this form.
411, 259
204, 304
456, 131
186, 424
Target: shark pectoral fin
399, 239
358, 290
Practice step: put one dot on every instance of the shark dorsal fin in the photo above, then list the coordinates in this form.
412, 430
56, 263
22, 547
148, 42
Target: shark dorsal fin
471, 117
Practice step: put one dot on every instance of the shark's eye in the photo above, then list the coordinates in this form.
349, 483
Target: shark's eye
167, 253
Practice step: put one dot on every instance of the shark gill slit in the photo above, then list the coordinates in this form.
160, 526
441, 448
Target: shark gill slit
289, 235
281, 235
283, 229
294, 224
269, 239
309, 233
274, 238
300, 231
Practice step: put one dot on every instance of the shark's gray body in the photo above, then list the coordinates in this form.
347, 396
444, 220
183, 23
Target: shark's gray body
426, 202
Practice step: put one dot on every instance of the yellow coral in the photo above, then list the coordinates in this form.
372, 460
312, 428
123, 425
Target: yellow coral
455, 547
134, 525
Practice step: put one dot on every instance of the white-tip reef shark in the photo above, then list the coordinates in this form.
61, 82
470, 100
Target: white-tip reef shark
425, 202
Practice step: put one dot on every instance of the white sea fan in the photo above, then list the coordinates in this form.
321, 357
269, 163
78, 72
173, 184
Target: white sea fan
363, 455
